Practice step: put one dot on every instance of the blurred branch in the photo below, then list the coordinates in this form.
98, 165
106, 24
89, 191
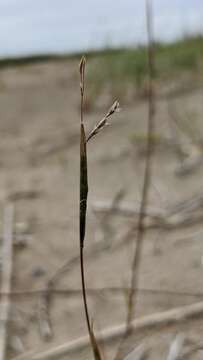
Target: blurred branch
147, 179
147, 173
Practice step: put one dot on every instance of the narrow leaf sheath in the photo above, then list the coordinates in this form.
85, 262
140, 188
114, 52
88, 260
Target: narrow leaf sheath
83, 184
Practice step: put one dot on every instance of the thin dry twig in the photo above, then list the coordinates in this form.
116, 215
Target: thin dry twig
7, 265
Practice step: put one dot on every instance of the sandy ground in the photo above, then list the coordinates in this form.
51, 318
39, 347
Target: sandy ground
39, 166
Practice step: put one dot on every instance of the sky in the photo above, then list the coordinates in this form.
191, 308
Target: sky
61, 26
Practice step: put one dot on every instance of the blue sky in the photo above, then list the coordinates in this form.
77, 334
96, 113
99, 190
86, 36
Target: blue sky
40, 26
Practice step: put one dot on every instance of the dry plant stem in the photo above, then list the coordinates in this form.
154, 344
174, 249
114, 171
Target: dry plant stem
7, 264
153, 321
83, 209
147, 172
96, 291
83, 189
83, 204
146, 184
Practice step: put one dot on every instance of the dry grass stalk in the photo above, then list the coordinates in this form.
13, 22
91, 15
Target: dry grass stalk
83, 188
115, 290
84, 192
83, 208
147, 174
146, 183
7, 265
83, 201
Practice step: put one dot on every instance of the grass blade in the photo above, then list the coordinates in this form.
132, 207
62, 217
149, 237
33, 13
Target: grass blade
83, 185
